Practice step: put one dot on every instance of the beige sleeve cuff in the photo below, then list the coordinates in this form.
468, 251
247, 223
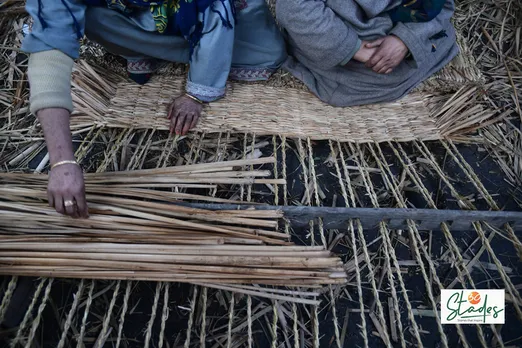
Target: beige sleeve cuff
50, 80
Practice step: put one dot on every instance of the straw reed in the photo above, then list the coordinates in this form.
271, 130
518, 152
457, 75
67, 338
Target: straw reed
127, 237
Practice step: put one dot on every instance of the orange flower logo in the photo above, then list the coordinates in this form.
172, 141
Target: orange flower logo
474, 298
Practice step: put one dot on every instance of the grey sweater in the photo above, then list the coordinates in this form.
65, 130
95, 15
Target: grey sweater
323, 35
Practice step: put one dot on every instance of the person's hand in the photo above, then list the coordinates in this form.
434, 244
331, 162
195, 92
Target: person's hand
390, 52
184, 113
364, 53
66, 185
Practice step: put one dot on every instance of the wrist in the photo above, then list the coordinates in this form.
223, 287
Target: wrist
60, 157
57, 112
61, 152
64, 163
193, 98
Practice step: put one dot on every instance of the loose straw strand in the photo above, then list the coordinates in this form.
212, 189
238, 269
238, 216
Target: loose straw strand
124, 308
295, 318
79, 341
204, 296
274, 324
276, 171
230, 320
148, 334
28, 314
191, 317
103, 334
249, 188
6, 300
218, 156
71, 313
242, 187
285, 185
38, 318
164, 314
249, 321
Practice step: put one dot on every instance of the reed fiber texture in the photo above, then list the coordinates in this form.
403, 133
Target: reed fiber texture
135, 232
105, 99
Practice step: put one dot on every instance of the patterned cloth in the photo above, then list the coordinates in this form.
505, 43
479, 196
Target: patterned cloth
417, 10
175, 16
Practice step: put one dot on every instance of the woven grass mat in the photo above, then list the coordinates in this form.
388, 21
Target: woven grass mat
105, 99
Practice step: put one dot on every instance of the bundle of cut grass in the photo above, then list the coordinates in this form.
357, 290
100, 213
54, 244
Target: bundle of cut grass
135, 232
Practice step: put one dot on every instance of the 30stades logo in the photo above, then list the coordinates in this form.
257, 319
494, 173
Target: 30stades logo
471, 306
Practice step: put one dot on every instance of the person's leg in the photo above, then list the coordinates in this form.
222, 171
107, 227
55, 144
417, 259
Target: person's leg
316, 33
134, 39
259, 47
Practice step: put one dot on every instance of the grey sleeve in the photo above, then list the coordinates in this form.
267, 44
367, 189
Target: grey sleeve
317, 32
417, 35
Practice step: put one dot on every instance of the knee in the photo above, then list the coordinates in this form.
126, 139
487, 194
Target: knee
285, 12
93, 21
96, 19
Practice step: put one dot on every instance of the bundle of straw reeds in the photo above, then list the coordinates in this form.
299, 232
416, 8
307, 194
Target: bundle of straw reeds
136, 232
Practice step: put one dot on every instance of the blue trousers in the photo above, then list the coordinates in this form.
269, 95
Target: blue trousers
251, 51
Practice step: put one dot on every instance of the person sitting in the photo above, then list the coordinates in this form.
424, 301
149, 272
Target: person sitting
355, 52
218, 38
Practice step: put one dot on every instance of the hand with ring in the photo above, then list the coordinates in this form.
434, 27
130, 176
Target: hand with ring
66, 190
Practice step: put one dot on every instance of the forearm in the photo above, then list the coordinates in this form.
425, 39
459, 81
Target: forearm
51, 102
55, 125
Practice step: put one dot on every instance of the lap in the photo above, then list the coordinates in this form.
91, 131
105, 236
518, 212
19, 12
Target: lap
354, 84
257, 43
